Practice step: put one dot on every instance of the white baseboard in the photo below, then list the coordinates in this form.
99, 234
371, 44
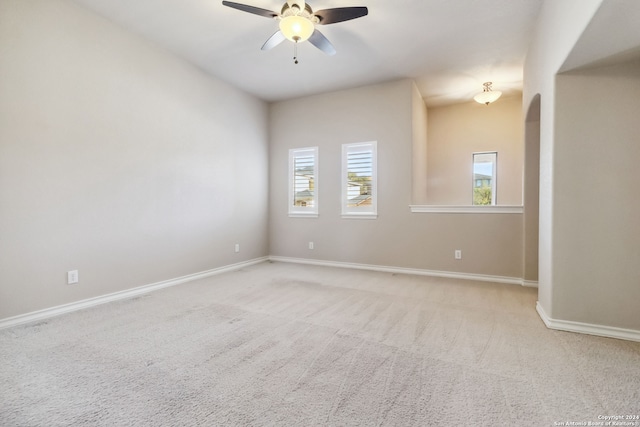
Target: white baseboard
587, 328
402, 270
129, 293
529, 284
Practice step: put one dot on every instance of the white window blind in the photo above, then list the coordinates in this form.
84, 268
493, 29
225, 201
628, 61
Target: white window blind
303, 181
359, 176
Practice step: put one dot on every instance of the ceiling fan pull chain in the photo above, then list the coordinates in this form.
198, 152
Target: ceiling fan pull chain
295, 52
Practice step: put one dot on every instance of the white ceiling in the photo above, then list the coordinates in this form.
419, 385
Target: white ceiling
450, 47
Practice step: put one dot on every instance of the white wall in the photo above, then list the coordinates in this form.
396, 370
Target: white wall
117, 159
386, 113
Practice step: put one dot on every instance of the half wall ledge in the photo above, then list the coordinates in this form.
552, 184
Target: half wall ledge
467, 209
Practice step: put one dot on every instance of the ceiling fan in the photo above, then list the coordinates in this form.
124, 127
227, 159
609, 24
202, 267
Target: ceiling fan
297, 23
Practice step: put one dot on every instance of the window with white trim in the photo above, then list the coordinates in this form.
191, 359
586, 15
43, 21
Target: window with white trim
484, 178
359, 180
303, 182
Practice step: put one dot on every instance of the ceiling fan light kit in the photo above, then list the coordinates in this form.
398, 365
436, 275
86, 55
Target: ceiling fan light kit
488, 95
298, 21
296, 28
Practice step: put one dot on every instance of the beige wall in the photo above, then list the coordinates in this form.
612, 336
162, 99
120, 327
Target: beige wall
588, 154
117, 159
456, 131
559, 26
491, 244
419, 153
531, 190
597, 211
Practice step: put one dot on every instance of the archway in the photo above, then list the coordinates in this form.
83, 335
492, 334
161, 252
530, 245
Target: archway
531, 191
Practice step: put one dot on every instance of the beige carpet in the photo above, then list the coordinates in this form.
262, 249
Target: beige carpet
292, 345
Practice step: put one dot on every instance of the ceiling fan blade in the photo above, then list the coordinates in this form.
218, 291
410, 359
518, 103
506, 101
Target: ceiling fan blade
340, 14
321, 42
250, 9
274, 40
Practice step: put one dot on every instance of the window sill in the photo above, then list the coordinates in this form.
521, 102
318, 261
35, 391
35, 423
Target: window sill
467, 209
303, 215
359, 216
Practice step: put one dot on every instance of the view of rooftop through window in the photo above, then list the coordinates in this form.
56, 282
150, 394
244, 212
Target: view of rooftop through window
359, 182
359, 162
303, 181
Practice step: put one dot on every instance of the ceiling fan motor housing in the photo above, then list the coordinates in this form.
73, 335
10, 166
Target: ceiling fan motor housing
307, 12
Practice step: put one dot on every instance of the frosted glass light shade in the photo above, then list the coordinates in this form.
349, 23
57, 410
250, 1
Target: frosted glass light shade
487, 97
296, 28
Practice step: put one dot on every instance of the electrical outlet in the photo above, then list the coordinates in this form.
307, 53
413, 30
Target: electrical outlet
457, 254
310, 245
72, 277
237, 247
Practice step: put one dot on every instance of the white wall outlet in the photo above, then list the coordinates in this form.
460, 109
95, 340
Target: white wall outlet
457, 254
310, 245
72, 277
237, 249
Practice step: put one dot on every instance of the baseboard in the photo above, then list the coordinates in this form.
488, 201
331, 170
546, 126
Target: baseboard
401, 270
587, 328
129, 293
529, 284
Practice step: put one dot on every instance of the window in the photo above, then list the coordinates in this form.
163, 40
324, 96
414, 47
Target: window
303, 182
484, 178
359, 181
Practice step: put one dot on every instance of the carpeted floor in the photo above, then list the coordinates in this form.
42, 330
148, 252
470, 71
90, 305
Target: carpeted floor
293, 345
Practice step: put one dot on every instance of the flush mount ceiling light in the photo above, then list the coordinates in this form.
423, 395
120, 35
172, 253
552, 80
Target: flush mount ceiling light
488, 95
298, 21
